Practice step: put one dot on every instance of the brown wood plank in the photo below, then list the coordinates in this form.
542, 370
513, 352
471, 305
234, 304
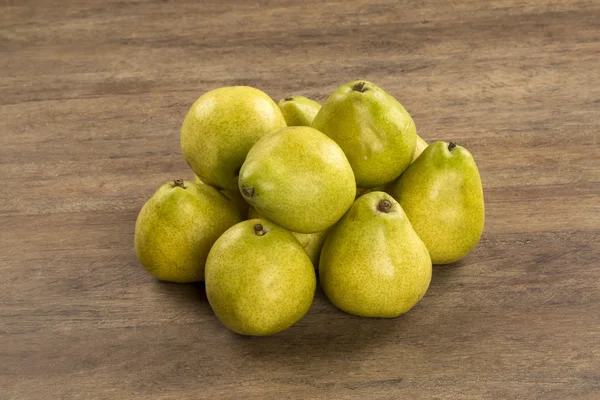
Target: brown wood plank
93, 94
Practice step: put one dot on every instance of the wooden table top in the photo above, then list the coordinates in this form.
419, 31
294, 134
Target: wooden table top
93, 97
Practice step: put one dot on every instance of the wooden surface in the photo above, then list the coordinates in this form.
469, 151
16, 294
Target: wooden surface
92, 99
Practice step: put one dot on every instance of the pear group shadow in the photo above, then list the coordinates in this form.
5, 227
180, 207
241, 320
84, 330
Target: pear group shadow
185, 294
324, 333
442, 271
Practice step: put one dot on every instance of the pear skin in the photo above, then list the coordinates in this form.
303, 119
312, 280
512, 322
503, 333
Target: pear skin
235, 197
221, 127
176, 228
298, 178
373, 264
421, 145
312, 242
363, 191
298, 110
259, 280
375, 131
442, 196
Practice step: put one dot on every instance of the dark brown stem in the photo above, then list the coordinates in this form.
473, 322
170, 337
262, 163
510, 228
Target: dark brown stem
248, 191
290, 98
359, 87
384, 206
179, 183
451, 146
259, 230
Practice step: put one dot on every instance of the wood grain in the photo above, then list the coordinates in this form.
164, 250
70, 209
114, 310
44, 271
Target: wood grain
93, 96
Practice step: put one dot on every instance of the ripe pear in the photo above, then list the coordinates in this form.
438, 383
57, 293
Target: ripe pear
259, 280
442, 196
312, 242
363, 191
177, 227
221, 127
298, 178
235, 197
298, 110
377, 134
373, 264
421, 145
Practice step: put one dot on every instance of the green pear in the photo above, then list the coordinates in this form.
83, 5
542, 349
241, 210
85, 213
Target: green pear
377, 134
298, 178
442, 195
421, 145
363, 191
221, 127
373, 264
298, 110
235, 197
259, 280
312, 242
177, 227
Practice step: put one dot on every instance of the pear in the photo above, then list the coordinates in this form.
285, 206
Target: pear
442, 196
259, 280
377, 134
298, 178
363, 191
176, 228
373, 264
235, 197
312, 242
421, 145
298, 110
221, 127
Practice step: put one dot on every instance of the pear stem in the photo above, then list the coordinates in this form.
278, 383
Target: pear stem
384, 206
259, 230
248, 191
290, 98
451, 146
359, 87
178, 183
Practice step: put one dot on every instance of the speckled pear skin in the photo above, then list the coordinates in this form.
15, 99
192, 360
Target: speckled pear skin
377, 134
176, 228
421, 145
312, 242
442, 196
373, 264
363, 191
235, 197
298, 178
298, 110
259, 285
221, 127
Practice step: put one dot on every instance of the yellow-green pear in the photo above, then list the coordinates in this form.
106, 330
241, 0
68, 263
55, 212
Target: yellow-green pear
363, 191
235, 197
312, 242
176, 228
221, 127
298, 178
442, 196
377, 134
298, 110
421, 145
373, 264
259, 280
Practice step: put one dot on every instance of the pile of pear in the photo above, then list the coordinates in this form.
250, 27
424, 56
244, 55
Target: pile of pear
284, 192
